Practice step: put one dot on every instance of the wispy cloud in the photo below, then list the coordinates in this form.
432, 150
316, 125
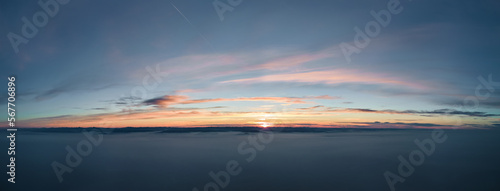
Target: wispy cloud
76, 83
285, 62
414, 112
168, 100
311, 108
338, 76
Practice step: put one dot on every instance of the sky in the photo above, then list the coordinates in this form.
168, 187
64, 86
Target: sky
194, 63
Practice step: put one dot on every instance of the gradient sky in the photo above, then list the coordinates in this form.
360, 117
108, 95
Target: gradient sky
268, 63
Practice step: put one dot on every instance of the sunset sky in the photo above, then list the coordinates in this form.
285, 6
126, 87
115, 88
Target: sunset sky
266, 64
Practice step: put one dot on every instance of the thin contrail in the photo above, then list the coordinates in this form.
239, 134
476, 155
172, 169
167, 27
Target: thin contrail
208, 42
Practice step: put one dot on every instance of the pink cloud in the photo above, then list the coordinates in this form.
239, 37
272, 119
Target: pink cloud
284, 63
337, 76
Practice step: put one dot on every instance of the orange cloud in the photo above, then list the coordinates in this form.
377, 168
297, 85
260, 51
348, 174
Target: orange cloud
199, 117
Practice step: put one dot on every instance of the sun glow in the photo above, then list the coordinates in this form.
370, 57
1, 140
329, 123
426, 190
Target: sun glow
263, 123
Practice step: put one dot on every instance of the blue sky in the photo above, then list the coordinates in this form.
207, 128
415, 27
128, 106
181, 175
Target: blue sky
266, 62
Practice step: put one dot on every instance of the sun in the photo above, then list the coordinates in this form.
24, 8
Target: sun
265, 125
262, 121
